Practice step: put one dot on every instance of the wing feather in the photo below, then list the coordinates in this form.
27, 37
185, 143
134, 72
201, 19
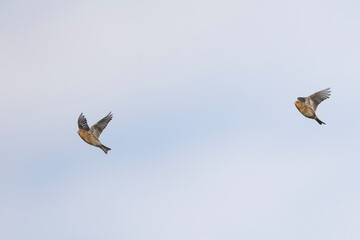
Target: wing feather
98, 127
315, 99
82, 123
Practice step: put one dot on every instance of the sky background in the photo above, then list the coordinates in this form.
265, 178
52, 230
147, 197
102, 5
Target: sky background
206, 141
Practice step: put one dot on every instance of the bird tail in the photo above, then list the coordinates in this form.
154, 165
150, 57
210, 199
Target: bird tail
319, 121
105, 149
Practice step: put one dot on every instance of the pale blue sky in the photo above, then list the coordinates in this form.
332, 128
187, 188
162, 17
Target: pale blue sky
206, 140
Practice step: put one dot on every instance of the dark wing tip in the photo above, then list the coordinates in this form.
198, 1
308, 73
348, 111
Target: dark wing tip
82, 122
327, 90
81, 117
110, 115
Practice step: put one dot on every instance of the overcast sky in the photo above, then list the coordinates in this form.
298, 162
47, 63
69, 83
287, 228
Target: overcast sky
206, 141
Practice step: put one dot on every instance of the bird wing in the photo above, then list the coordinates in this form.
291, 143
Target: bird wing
83, 123
98, 127
315, 99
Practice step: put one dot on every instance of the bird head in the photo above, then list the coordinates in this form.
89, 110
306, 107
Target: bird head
301, 99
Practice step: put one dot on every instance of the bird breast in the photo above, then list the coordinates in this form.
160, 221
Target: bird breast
89, 138
305, 109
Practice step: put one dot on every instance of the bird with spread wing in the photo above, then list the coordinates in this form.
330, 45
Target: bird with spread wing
91, 135
307, 105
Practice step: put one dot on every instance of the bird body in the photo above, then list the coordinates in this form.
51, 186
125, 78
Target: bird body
308, 105
91, 135
305, 110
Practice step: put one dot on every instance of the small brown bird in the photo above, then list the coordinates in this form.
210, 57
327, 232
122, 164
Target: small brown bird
307, 105
91, 135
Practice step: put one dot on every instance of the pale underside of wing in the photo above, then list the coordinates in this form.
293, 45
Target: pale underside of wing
315, 99
98, 127
82, 123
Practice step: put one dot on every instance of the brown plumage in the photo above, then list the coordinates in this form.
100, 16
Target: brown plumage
91, 135
307, 105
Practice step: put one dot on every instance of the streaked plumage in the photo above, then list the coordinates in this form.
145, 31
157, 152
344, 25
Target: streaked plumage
308, 105
91, 135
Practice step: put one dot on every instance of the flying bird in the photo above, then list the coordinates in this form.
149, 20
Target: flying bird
91, 135
307, 105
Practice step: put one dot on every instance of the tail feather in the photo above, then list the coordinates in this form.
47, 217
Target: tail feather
105, 149
319, 121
